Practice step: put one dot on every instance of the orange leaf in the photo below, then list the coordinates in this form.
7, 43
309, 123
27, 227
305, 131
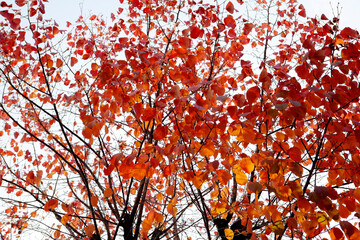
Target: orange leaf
108, 192
51, 205
139, 171
57, 234
87, 132
229, 234
223, 176
65, 219
207, 150
247, 165
89, 229
241, 178
94, 201
73, 61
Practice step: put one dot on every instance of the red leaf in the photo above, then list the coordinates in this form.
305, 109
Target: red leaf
20, 3
247, 28
252, 94
196, 32
160, 132
229, 21
230, 7
109, 169
148, 114
33, 11
348, 228
41, 7
302, 12
295, 154
348, 33
308, 44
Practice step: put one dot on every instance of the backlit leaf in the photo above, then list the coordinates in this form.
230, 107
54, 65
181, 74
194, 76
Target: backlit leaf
241, 178
229, 234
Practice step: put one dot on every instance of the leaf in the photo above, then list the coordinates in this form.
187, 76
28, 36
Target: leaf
229, 234
51, 204
160, 132
223, 176
252, 94
349, 33
247, 28
229, 21
241, 178
148, 114
247, 165
57, 234
73, 61
348, 228
196, 32
295, 154
65, 219
94, 201
108, 192
230, 7
336, 234
254, 187
89, 230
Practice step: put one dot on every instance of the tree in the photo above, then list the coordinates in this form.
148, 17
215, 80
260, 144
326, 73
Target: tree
179, 119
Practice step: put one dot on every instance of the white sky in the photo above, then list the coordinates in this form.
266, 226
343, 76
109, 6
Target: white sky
69, 10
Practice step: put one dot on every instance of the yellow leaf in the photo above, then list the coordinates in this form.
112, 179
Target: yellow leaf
278, 227
241, 178
108, 192
229, 234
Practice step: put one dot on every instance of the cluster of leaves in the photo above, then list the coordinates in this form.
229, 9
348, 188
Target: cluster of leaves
229, 119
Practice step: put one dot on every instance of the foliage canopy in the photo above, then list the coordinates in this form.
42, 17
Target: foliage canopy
211, 119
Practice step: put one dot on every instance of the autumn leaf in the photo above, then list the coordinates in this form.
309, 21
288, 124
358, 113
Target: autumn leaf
223, 176
247, 165
229, 234
65, 219
148, 114
295, 154
241, 178
94, 201
108, 192
89, 230
57, 234
51, 204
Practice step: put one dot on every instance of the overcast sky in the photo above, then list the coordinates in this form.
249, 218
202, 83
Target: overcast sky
69, 10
